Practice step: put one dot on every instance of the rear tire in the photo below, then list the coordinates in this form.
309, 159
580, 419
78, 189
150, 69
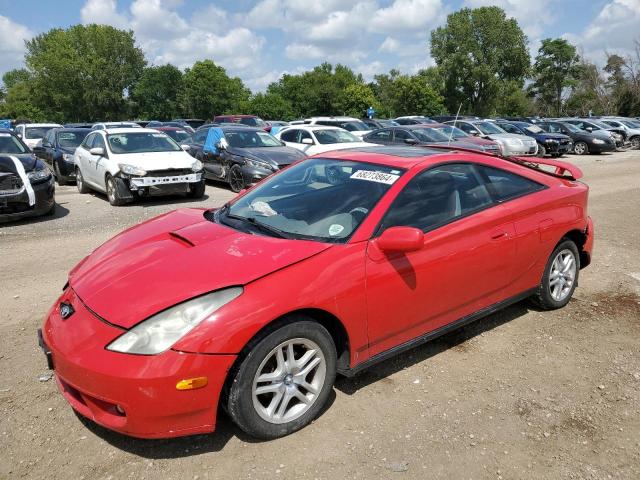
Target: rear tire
82, 187
560, 277
294, 367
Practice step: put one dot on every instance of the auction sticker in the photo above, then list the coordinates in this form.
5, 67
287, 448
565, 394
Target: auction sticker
335, 229
372, 176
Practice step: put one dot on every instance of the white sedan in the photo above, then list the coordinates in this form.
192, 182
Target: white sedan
316, 139
126, 163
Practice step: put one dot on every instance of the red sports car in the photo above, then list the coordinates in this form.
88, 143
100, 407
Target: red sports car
332, 264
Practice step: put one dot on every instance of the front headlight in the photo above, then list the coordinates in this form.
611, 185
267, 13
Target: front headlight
258, 164
158, 333
67, 157
39, 175
197, 166
597, 141
131, 170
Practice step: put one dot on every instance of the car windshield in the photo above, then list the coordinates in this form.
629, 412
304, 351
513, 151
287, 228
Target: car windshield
36, 132
317, 199
534, 129
429, 135
488, 128
630, 123
141, 142
253, 122
180, 136
354, 126
599, 124
250, 139
335, 135
10, 144
71, 139
388, 123
451, 132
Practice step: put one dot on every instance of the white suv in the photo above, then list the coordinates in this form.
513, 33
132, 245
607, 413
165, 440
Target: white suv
353, 125
314, 139
33, 133
126, 163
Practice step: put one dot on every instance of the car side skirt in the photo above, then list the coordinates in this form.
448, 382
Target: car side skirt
380, 357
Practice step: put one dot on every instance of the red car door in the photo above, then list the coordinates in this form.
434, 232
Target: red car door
464, 266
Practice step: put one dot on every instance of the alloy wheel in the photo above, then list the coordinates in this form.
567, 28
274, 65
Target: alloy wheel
236, 181
562, 275
111, 190
289, 380
579, 148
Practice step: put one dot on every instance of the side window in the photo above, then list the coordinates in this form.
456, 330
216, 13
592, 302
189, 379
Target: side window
47, 140
399, 136
200, 136
508, 128
304, 134
88, 141
551, 128
438, 196
465, 127
99, 142
290, 136
505, 185
381, 136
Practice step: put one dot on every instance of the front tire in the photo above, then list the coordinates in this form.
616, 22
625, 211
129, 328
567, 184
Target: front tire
560, 277
284, 381
112, 192
580, 148
59, 177
82, 187
635, 142
197, 189
541, 151
236, 178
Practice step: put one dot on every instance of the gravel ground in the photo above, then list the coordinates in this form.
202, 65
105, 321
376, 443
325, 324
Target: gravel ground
521, 394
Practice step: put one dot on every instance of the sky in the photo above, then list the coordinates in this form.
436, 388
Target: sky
262, 39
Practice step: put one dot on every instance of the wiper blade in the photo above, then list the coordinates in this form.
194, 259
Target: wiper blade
276, 232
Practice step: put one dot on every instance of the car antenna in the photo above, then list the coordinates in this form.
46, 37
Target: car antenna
454, 124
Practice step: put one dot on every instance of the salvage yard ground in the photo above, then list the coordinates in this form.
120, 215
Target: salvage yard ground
521, 394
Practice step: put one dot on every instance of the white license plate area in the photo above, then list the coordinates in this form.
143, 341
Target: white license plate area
153, 181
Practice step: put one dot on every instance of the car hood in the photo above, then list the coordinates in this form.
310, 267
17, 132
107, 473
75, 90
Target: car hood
156, 160
175, 257
29, 161
498, 136
477, 140
273, 155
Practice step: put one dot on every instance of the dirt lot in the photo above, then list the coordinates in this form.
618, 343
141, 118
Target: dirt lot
522, 394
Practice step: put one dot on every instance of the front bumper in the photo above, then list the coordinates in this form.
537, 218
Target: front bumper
16, 206
67, 168
253, 175
512, 150
132, 394
558, 148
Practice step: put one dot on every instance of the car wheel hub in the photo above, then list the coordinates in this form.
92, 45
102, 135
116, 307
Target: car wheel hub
562, 275
289, 380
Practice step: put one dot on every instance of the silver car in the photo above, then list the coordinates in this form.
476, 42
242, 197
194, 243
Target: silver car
511, 144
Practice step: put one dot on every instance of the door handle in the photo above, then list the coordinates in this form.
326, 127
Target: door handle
497, 235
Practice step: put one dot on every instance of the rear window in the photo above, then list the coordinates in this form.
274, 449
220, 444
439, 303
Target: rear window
505, 185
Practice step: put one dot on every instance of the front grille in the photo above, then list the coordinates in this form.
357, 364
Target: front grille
171, 172
10, 183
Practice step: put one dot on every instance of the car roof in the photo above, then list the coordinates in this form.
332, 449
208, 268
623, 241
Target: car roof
337, 119
72, 129
168, 128
312, 128
128, 130
27, 125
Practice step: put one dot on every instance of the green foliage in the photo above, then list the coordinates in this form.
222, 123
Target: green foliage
14, 77
316, 92
479, 51
208, 91
270, 106
83, 72
356, 99
408, 95
514, 101
18, 103
155, 95
556, 68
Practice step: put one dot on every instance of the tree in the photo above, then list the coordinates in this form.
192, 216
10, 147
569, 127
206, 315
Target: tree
17, 96
407, 95
513, 100
208, 91
356, 99
270, 106
13, 77
156, 93
316, 92
556, 68
478, 51
83, 73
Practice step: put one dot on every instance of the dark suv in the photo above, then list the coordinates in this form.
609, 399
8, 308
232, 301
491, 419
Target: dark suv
553, 144
583, 142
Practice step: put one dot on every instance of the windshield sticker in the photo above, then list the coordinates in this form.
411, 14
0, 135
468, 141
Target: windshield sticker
379, 177
335, 229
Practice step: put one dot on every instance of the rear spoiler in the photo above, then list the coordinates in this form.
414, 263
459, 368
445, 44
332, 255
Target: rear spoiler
562, 169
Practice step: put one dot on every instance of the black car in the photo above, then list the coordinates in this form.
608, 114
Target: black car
57, 149
246, 156
26, 183
553, 144
583, 142
592, 125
